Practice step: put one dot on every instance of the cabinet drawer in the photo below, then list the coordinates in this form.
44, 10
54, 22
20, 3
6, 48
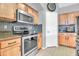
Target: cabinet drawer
8, 43
11, 51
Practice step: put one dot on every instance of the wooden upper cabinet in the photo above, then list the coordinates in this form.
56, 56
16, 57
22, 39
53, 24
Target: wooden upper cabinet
7, 12
72, 18
77, 13
22, 6
36, 17
34, 14
63, 19
67, 19
30, 10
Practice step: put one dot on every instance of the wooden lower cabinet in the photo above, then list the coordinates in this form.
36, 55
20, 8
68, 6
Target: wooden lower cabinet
67, 40
11, 51
62, 40
71, 41
11, 48
39, 40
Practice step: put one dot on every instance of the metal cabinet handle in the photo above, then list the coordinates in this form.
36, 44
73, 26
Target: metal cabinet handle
12, 42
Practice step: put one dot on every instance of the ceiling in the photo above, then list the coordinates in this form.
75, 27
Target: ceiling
41, 6
65, 4
36, 6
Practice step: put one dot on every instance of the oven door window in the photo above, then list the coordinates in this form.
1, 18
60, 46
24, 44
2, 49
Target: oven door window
29, 44
77, 52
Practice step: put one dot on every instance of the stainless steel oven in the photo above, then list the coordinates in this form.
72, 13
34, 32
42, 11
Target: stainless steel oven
24, 17
29, 45
28, 40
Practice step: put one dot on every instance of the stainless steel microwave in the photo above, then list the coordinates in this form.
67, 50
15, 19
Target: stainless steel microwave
24, 17
71, 28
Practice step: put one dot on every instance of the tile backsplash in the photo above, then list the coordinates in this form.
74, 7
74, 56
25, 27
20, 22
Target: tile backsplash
7, 26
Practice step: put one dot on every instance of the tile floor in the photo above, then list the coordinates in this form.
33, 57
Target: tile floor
57, 51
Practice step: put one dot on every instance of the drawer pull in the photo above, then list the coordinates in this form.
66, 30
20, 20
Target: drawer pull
12, 42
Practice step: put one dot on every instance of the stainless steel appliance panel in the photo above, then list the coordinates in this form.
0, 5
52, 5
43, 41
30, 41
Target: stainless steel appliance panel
29, 44
71, 28
24, 17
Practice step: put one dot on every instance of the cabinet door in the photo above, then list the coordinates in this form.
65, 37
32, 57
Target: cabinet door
11, 51
36, 18
71, 18
34, 14
63, 19
39, 40
8, 11
62, 40
30, 10
72, 41
22, 7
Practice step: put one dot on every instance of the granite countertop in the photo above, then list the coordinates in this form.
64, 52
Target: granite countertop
7, 35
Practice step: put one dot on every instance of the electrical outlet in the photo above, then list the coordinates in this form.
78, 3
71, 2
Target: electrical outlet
5, 26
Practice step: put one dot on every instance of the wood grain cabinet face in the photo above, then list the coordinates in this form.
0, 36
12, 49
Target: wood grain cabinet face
30, 11
63, 19
62, 40
8, 11
67, 19
39, 40
71, 18
36, 18
67, 39
22, 6
71, 41
7, 43
10, 47
11, 51
34, 14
